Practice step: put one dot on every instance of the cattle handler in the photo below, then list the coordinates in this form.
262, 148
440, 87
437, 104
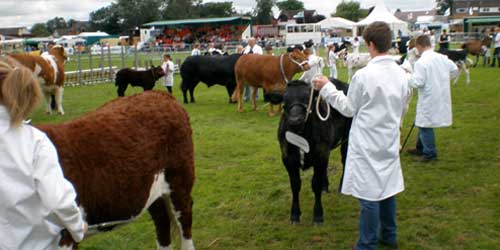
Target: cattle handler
373, 172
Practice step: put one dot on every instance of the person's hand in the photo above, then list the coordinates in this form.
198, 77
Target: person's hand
320, 81
85, 228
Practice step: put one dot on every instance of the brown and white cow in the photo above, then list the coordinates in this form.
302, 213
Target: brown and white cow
132, 155
49, 68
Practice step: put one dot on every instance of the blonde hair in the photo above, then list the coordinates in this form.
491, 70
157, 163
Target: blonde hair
19, 90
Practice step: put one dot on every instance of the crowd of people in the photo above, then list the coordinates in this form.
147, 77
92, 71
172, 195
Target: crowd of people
179, 37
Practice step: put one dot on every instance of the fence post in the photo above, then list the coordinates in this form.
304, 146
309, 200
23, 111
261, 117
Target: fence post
122, 57
91, 66
135, 56
110, 63
79, 65
102, 64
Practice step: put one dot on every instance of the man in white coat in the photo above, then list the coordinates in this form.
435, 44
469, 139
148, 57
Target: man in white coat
373, 170
252, 48
431, 76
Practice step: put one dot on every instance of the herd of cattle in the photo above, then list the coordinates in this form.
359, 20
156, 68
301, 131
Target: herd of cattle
141, 146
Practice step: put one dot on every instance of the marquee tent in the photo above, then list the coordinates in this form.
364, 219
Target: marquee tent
382, 13
337, 23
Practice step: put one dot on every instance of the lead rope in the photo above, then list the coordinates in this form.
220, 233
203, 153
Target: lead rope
282, 69
318, 100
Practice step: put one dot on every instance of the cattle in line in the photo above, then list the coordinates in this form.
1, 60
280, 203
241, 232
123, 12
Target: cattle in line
49, 68
208, 69
268, 72
132, 155
300, 118
137, 78
355, 61
459, 57
477, 47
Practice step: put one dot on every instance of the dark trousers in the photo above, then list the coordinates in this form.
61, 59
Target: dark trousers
426, 142
496, 56
377, 218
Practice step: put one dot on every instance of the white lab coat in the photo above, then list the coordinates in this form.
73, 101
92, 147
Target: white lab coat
37, 202
256, 50
431, 76
332, 62
168, 78
375, 100
195, 52
316, 65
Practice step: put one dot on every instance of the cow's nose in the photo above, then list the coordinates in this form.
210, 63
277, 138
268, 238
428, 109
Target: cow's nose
295, 120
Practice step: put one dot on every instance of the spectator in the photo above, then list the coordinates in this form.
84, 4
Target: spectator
433, 40
315, 63
444, 41
431, 76
168, 68
252, 48
239, 49
37, 201
496, 52
373, 170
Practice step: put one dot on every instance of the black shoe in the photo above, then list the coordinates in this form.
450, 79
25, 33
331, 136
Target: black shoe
425, 159
393, 246
414, 151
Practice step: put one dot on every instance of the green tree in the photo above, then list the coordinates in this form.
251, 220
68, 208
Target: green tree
215, 9
443, 5
290, 5
106, 19
39, 30
263, 11
134, 13
56, 23
350, 10
181, 9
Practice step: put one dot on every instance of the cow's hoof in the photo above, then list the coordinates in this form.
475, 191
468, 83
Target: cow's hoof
240, 110
318, 220
271, 114
232, 102
325, 190
255, 109
294, 220
318, 224
61, 113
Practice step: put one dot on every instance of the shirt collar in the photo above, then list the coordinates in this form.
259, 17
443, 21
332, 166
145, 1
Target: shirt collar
427, 52
380, 59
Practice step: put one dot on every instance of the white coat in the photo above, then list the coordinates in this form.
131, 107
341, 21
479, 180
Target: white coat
195, 52
256, 49
431, 76
332, 62
37, 202
168, 79
316, 65
375, 100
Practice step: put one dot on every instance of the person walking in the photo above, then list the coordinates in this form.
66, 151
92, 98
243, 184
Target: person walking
431, 76
37, 201
373, 172
168, 68
332, 60
444, 41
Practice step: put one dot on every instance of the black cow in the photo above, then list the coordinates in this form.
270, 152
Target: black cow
137, 78
322, 137
454, 55
209, 69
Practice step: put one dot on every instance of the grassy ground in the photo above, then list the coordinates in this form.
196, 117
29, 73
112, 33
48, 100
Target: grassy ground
242, 195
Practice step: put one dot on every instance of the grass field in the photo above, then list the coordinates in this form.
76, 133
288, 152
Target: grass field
242, 195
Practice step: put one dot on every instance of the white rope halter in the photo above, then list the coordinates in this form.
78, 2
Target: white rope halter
300, 64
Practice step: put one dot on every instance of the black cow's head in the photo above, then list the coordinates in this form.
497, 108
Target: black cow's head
157, 72
295, 102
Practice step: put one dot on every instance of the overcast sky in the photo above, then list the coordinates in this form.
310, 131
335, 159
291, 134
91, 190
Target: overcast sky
15, 13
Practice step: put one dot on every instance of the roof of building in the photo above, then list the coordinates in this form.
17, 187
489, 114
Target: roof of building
411, 16
195, 21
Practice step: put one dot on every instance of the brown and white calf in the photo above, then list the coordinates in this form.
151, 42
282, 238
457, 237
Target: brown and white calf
49, 68
132, 155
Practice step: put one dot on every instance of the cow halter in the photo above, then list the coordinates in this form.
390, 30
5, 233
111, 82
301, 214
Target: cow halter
318, 100
300, 64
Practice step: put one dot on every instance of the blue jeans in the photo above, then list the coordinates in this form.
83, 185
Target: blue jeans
248, 92
426, 142
377, 217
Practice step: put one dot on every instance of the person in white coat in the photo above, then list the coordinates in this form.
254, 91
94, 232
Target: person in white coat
168, 68
315, 63
252, 48
37, 202
196, 50
373, 170
431, 76
332, 60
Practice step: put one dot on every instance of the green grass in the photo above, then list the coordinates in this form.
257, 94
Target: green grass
242, 195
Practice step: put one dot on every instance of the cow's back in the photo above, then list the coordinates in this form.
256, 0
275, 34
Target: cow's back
112, 154
257, 69
209, 69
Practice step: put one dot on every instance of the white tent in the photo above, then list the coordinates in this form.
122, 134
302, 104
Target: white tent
337, 23
382, 13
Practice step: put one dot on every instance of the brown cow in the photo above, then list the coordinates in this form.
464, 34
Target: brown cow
475, 47
269, 72
131, 155
50, 70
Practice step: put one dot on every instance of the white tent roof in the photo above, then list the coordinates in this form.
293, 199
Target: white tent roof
337, 22
380, 13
